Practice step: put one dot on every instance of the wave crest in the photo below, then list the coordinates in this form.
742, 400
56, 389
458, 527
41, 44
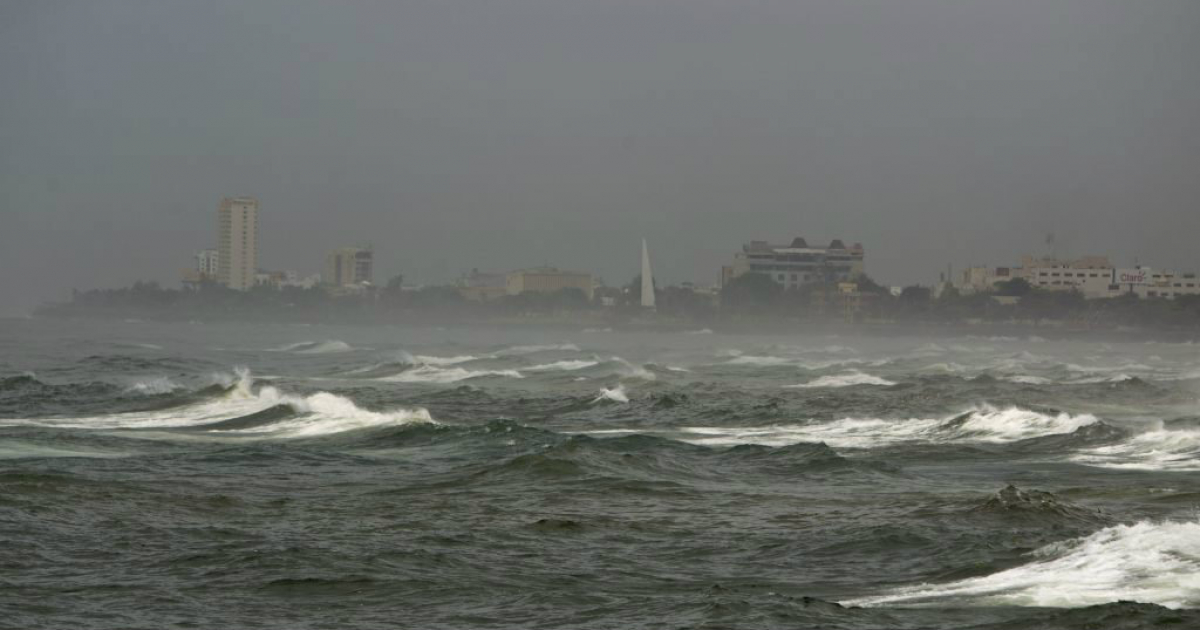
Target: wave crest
1157, 563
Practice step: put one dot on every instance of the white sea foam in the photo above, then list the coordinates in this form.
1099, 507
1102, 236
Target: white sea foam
432, 374
612, 394
320, 413
1115, 378
625, 369
1028, 380
1159, 448
948, 368
566, 366
983, 424
766, 361
240, 400
1157, 563
848, 379
561, 347
315, 347
431, 360
324, 414
154, 386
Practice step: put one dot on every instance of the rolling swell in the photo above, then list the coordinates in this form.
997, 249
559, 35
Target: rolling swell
708, 494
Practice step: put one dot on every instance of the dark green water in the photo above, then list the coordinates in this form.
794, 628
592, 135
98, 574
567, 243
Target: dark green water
163, 476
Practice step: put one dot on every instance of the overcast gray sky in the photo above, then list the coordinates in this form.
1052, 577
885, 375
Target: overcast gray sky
504, 134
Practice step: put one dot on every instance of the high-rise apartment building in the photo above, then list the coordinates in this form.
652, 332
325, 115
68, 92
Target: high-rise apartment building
237, 234
348, 266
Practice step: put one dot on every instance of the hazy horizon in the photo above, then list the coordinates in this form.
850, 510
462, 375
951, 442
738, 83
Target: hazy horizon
507, 135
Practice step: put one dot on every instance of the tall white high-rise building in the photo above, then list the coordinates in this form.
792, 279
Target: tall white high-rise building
237, 234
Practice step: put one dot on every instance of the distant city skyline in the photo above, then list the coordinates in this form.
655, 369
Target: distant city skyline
506, 136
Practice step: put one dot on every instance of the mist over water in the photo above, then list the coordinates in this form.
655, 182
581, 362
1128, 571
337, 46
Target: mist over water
302, 476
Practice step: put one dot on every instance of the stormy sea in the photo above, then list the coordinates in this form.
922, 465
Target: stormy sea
248, 476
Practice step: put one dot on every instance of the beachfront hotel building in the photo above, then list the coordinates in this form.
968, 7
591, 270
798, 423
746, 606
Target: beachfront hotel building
797, 263
548, 280
237, 237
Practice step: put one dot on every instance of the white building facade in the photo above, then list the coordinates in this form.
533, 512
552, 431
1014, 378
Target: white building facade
797, 263
208, 263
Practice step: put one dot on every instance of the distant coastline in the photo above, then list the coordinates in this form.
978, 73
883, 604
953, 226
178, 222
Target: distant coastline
1044, 314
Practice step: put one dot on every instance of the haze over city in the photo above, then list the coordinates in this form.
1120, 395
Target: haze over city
504, 135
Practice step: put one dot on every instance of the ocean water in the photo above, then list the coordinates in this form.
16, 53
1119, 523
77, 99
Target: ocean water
247, 476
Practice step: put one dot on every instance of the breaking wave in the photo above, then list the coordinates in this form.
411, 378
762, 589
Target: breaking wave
324, 414
984, 424
154, 386
612, 394
849, 379
747, 359
1163, 447
568, 366
315, 347
561, 347
1157, 563
625, 369
316, 414
432, 374
421, 359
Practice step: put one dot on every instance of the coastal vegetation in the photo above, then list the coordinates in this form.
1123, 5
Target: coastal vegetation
745, 300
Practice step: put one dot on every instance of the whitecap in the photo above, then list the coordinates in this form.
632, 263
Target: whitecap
324, 413
1025, 379
764, 361
848, 379
1156, 563
154, 386
561, 347
625, 369
612, 394
566, 366
432, 374
981, 424
1158, 448
314, 347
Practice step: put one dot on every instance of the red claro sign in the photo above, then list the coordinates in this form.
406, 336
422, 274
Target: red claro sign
1132, 276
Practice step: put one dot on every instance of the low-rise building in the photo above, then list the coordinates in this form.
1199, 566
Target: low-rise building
482, 286
797, 263
548, 280
1093, 276
1163, 283
983, 279
205, 267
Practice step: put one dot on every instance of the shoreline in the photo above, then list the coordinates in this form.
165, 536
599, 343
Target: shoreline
588, 323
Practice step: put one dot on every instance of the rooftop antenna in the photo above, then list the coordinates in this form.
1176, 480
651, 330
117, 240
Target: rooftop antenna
1052, 245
